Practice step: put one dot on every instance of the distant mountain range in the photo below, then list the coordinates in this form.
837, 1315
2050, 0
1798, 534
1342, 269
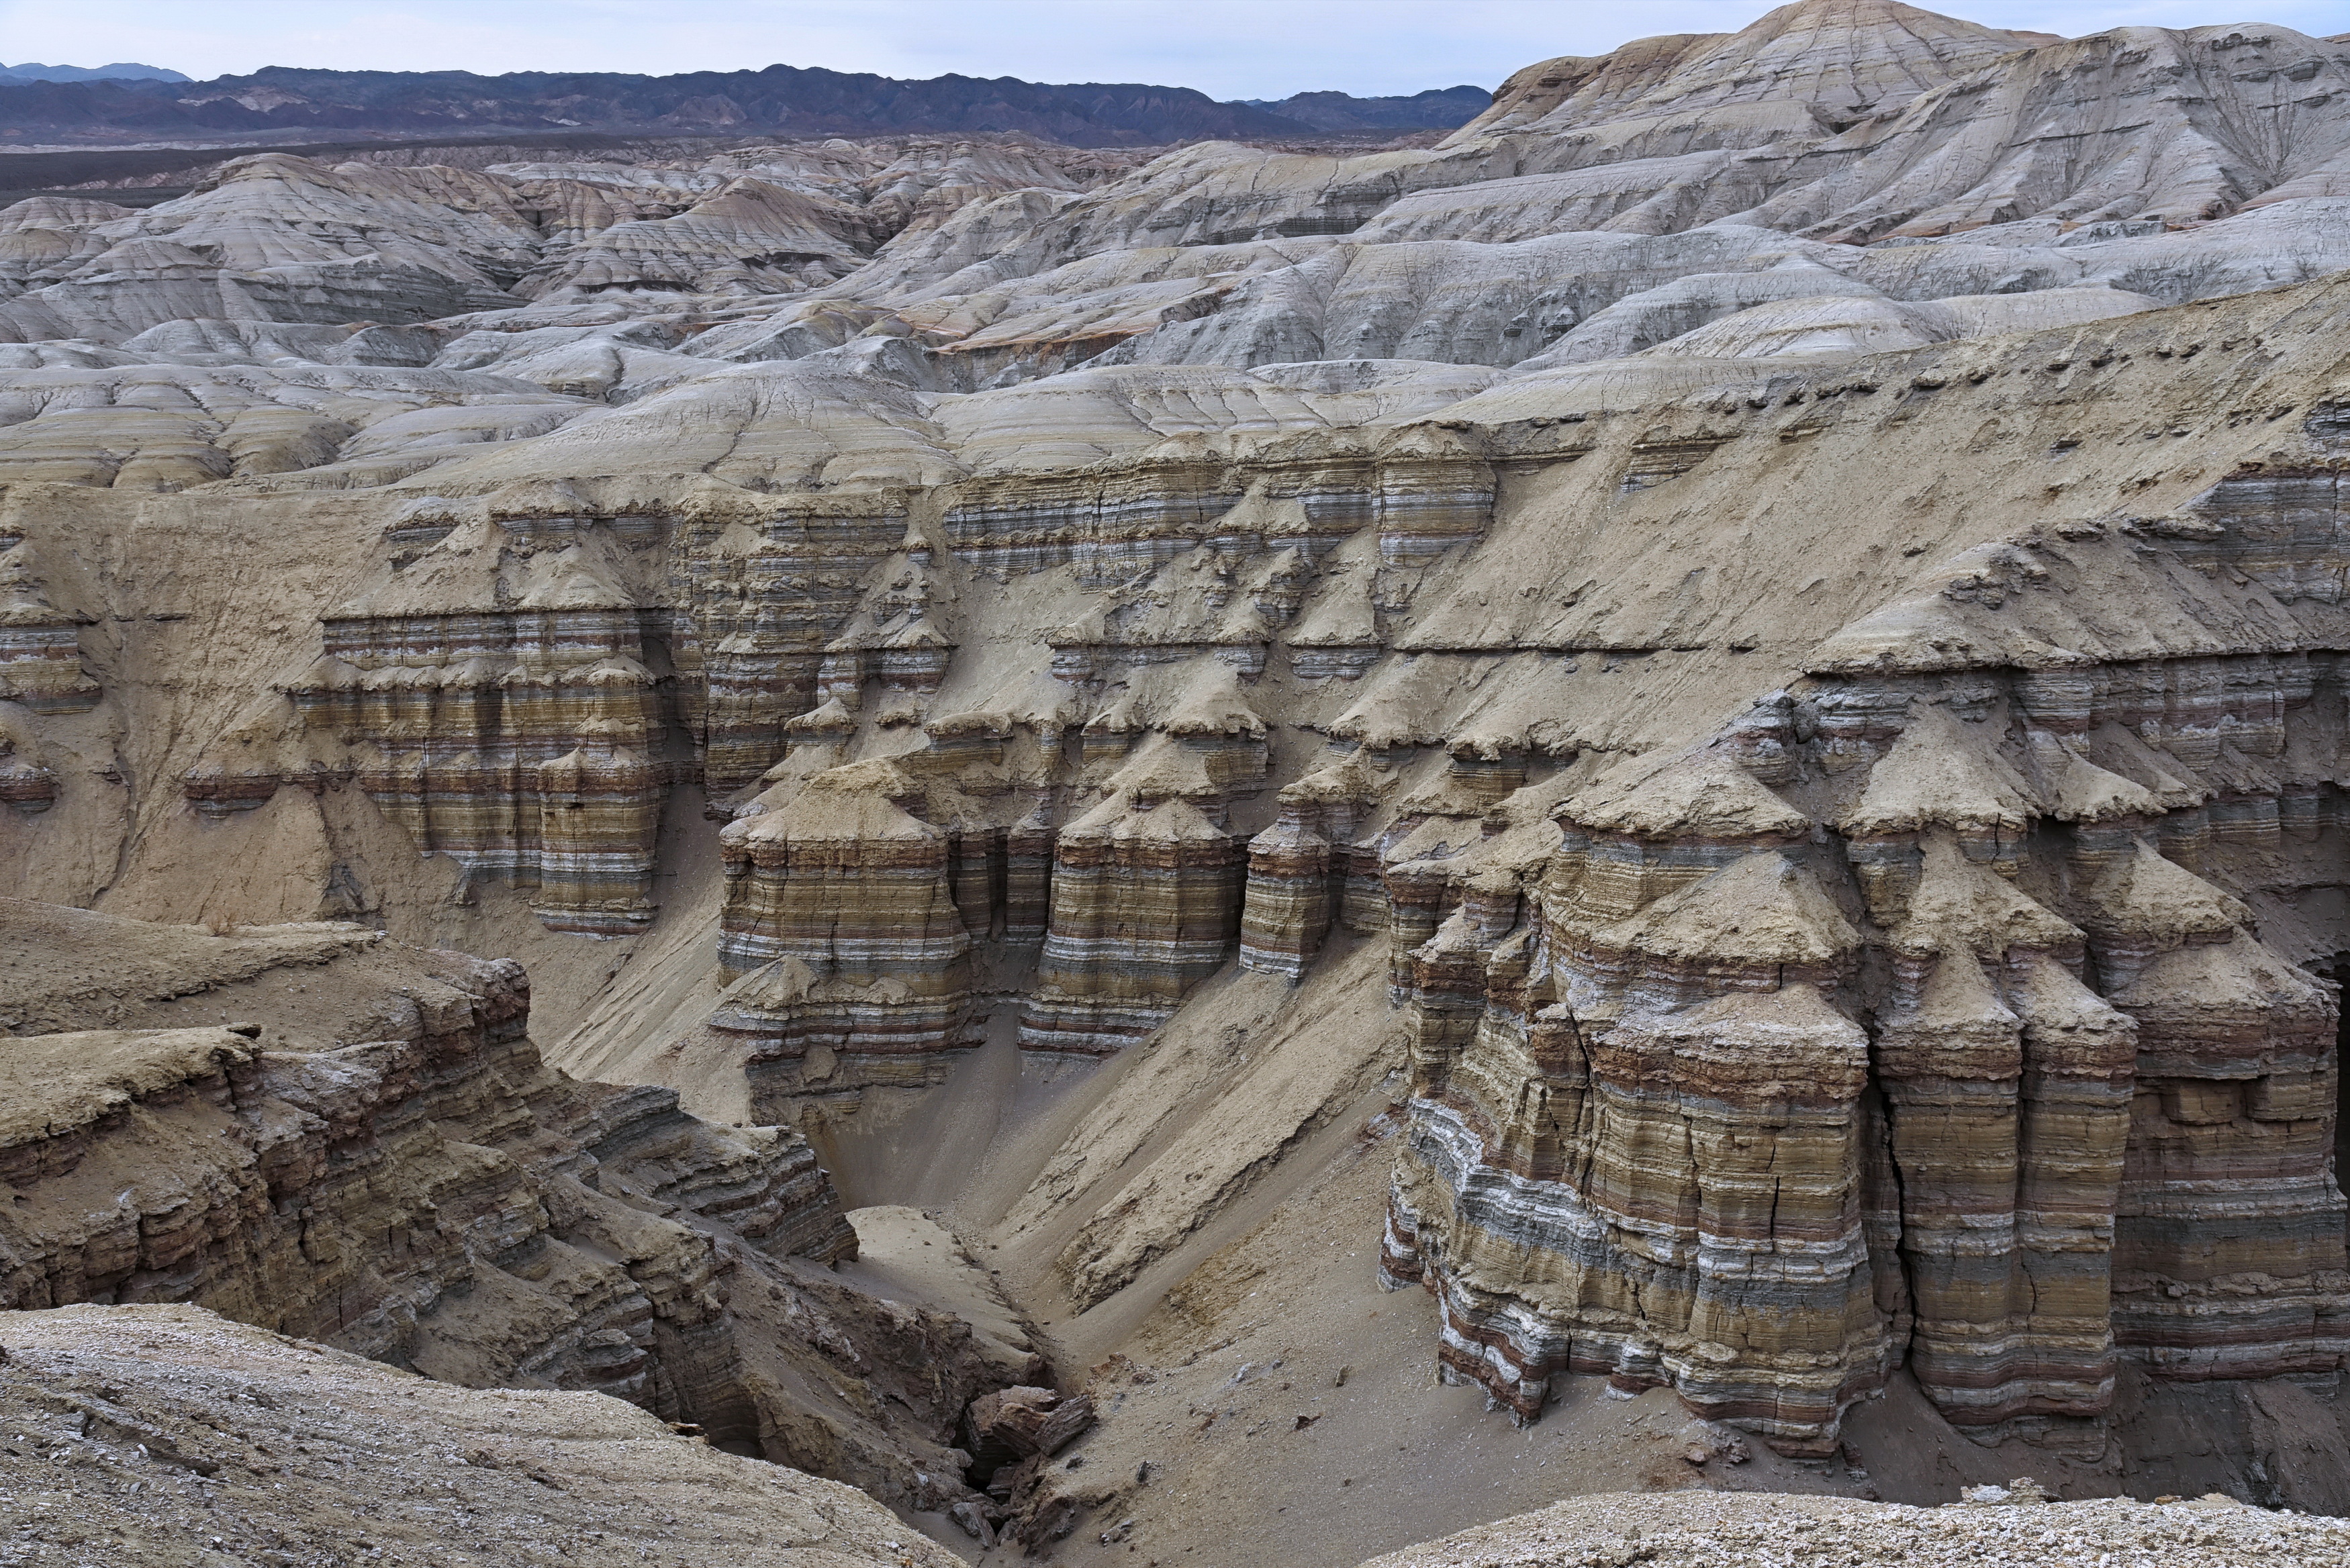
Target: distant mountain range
121, 70
115, 103
1438, 108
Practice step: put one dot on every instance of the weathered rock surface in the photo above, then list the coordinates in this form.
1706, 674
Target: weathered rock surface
274, 240
1029, 1422
842, 918
1836, 133
1837, 60
153, 1433
1661, 941
390, 1169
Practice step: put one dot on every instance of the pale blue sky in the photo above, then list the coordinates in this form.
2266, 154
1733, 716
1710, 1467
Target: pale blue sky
1229, 49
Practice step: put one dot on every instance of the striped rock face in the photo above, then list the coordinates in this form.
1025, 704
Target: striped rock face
527, 678
534, 738
1295, 888
1679, 1149
756, 604
842, 924
1422, 491
1847, 825
381, 1161
261, 1176
1101, 862
1146, 904
24, 782
1967, 1059
40, 649
521, 743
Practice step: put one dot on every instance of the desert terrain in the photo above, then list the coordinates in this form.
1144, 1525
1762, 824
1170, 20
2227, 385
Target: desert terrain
1622, 830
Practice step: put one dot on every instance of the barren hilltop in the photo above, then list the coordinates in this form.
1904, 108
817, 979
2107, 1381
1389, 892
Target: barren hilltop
1237, 853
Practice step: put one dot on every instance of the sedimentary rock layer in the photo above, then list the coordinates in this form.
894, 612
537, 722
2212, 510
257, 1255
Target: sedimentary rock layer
1146, 903
40, 650
1820, 691
271, 1145
432, 1196
842, 927
1670, 1126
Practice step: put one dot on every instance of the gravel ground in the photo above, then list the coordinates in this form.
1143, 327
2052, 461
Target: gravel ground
1711, 1530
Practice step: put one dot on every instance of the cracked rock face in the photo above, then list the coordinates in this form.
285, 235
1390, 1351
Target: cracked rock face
1785, 640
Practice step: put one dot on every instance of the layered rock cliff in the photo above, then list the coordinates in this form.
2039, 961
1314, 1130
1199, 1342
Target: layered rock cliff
1819, 726
1909, 1014
430, 1196
1903, 1013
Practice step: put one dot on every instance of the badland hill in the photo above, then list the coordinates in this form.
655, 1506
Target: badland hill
1254, 851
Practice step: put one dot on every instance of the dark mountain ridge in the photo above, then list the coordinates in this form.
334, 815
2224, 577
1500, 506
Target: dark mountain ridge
121, 70
778, 99
1438, 108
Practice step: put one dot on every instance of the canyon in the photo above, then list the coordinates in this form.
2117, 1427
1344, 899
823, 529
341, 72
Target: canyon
1254, 842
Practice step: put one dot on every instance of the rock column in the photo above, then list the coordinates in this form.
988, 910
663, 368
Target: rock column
1146, 903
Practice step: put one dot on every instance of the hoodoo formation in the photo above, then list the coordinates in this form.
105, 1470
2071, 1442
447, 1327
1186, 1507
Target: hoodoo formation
936, 805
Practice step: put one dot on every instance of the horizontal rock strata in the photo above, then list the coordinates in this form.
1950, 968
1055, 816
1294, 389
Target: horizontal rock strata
1815, 692
435, 1197
264, 1209
1146, 903
1968, 1064
844, 929
40, 649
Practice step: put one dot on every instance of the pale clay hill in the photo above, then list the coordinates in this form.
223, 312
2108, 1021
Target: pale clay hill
936, 808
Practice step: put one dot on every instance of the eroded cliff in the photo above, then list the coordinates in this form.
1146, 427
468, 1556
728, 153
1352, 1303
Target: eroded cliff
1784, 755
371, 1155
1897, 1005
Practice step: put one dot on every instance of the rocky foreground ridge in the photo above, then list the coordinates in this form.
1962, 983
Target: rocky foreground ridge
1766, 641
153, 1433
165, 1434
1772, 1531
376, 1159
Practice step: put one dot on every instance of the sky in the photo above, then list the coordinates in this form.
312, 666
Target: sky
1227, 49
